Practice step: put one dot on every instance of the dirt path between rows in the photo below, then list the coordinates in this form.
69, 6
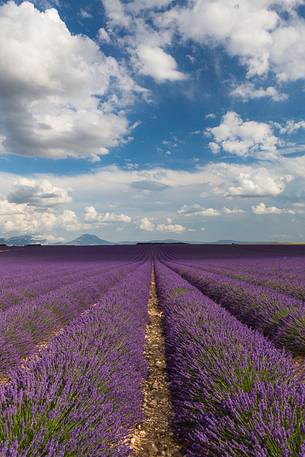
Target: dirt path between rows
153, 437
300, 363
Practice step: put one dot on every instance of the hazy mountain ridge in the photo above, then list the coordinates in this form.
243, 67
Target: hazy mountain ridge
22, 240
88, 239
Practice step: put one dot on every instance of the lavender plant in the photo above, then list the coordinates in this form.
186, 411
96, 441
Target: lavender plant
285, 276
34, 321
234, 393
83, 395
278, 316
41, 282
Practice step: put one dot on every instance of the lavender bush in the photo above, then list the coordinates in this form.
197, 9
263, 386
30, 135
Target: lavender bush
284, 275
278, 316
83, 395
234, 393
51, 276
22, 327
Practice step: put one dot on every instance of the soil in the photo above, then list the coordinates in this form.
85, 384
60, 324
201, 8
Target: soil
300, 363
153, 437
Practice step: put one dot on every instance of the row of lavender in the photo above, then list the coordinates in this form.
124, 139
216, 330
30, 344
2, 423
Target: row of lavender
38, 282
276, 315
23, 327
22, 267
234, 393
83, 395
13, 274
284, 275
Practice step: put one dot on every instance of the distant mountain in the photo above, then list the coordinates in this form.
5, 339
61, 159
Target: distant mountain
23, 240
88, 240
244, 242
227, 242
126, 242
93, 240
162, 242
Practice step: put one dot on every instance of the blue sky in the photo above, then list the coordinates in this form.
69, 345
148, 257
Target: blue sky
153, 119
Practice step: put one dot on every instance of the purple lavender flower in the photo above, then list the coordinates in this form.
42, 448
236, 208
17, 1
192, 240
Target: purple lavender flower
234, 393
84, 393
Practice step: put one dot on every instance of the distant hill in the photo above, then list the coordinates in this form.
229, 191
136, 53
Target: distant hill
94, 240
88, 240
126, 242
23, 240
246, 242
228, 242
166, 241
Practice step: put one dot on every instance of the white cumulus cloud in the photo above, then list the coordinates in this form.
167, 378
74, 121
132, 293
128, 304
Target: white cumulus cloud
69, 221
257, 183
38, 193
243, 138
171, 228
92, 216
262, 208
265, 35
116, 12
231, 211
21, 218
59, 93
248, 91
155, 62
147, 225
292, 126
197, 210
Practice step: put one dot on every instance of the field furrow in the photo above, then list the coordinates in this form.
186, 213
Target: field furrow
154, 436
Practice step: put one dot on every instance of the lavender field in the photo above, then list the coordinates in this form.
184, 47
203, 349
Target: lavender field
152, 350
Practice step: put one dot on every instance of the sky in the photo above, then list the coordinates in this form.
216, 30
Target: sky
153, 119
